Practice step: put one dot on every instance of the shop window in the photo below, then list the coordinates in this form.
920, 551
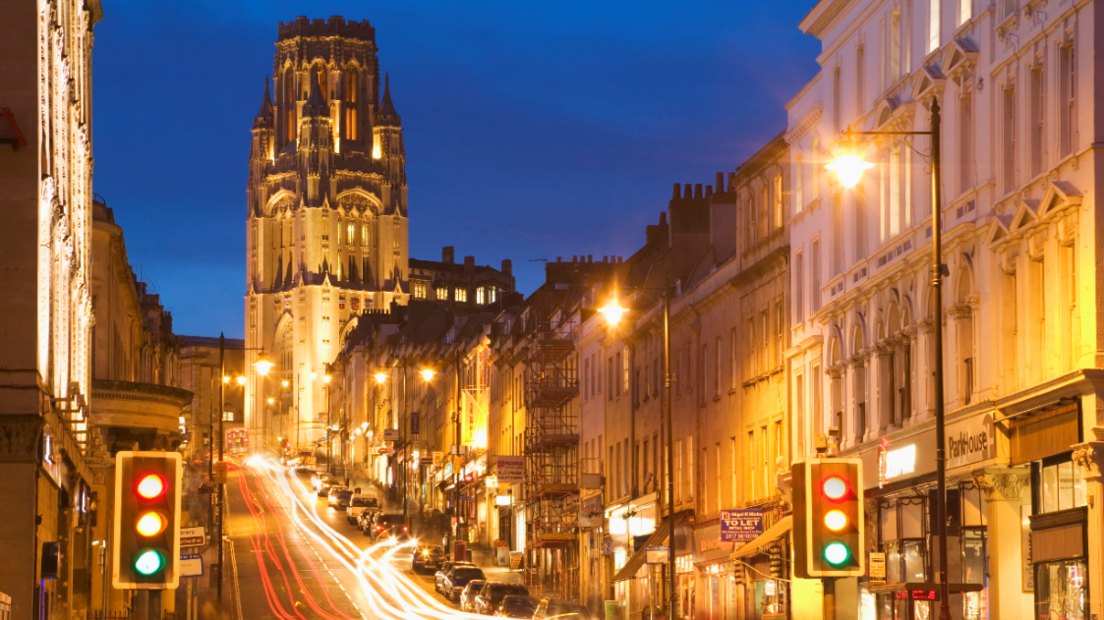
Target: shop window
1061, 590
1058, 484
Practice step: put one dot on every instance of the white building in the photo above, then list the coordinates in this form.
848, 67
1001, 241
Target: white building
1020, 309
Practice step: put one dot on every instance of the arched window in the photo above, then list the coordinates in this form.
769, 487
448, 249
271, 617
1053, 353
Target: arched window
350, 104
350, 236
777, 201
364, 238
323, 81
290, 99
964, 335
858, 380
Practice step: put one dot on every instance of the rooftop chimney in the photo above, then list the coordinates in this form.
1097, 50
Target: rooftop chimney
507, 267
469, 263
448, 255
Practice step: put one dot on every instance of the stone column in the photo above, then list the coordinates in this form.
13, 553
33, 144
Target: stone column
884, 353
925, 368
1004, 490
859, 395
1090, 456
847, 427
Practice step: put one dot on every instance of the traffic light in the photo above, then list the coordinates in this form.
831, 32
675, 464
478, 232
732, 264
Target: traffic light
147, 521
828, 518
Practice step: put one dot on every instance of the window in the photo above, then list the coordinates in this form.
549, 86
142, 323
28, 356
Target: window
733, 351
350, 102
227, 416
689, 471
965, 11
678, 470
780, 334
764, 342
492, 294
616, 378
461, 294
933, 25
799, 173
350, 236
702, 360
1067, 88
442, 293
644, 467
752, 487
365, 236
625, 370
838, 235
966, 143
1009, 164
339, 274
419, 287
764, 214
777, 201
610, 377
860, 76
799, 414
837, 103
1059, 484
764, 455
586, 379
1038, 95
732, 470
753, 357
717, 367
799, 287
718, 476
895, 45
1008, 7
481, 295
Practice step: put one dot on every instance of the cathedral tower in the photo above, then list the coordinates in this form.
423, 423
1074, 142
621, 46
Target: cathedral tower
326, 221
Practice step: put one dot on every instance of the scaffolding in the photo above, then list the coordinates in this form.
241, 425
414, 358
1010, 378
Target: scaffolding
551, 459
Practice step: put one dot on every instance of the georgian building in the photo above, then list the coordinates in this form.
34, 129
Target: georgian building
1020, 295
46, 317
327, 214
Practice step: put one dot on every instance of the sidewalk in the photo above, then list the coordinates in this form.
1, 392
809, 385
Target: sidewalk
484, 558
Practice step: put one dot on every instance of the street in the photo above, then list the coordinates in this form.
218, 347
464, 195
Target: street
297, 558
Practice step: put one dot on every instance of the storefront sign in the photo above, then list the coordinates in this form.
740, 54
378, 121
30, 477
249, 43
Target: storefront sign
741, 525
391, 434
590, 512
415, 423
970, 441
877, 567
511, 469
656, 555
708, 546
438, 456
897, 462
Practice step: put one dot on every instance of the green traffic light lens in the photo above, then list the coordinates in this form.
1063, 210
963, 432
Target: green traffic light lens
837, 554
149, 562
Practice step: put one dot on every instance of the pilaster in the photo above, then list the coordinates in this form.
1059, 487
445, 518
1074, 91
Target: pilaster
1004, 492
1090, 456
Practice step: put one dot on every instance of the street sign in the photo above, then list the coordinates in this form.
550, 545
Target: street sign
191, 564
391, 434
220, 472
193, 537
510, 469
877, 567
741, 525
656, 555
415, 423
466, 498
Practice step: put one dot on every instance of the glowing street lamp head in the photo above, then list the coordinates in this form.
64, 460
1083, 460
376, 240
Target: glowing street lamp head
313, 375
271, 400
284, 383
849, 168
263, 364
613, 311
241, 380
225, 379
381, 377
427, 373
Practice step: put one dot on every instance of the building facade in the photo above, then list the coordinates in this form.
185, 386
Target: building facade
1014, 82
326, 217
47, 316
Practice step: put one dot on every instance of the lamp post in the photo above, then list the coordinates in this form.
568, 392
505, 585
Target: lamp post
613, 313
427, 375
849, 168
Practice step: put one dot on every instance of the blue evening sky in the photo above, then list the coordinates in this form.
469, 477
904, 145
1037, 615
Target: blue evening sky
533, 129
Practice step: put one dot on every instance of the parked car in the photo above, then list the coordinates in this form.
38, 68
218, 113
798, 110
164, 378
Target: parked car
426, 557
468, 594
439, 576
388, 521
493, 593
339, 496
359, 504
513, 606
563, 610
457, 579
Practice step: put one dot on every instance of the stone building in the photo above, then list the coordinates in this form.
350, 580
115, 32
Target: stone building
448, 281
46, 317
327, 214
1021, 295
200, 374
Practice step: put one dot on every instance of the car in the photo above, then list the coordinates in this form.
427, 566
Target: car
315, 479
388, 521
358, 504
426, 557
325, 483
339, 496
513, 606
398, 533
468, 594
492, 594
562, 610
439, 576
457, 579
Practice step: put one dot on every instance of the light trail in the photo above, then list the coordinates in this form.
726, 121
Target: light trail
391, 595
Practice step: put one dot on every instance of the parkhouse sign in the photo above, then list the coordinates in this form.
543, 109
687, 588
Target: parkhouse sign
969, 441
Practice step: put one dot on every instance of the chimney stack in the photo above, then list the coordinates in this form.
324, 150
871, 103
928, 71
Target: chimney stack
698, 191
469, 263
448, 255
720, 183
507, 267
675, 195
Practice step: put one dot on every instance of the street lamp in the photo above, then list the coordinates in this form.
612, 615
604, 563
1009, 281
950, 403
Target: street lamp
613, 312
849, 167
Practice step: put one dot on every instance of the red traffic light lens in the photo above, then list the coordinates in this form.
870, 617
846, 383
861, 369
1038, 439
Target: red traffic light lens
151, 486
834, 488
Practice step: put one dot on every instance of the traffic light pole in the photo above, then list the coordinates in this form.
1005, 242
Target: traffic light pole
829, 587
221, 487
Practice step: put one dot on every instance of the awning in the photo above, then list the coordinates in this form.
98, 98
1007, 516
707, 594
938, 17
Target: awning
658, 538
760, 542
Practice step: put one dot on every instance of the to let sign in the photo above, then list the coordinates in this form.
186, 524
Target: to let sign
511, 469
741, 525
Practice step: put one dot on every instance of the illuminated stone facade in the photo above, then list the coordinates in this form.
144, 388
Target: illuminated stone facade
46, 315
327, 215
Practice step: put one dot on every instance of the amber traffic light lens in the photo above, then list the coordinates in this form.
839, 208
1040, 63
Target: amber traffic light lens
150, 524
835, 520
834, 488
151, 486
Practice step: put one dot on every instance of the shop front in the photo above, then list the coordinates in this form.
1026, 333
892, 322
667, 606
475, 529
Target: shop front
715, 571
761, 574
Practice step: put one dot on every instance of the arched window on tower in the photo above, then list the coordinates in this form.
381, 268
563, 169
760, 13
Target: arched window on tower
364, 236
350, 104
290, 99
350, 236
323, 81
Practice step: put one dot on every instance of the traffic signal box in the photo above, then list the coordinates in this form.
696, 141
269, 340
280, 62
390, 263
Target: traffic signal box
828, 518
147, 521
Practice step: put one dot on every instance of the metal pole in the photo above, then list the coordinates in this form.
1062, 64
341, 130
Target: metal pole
406, 440
670, 449
937, 334
829, 599
221, 487
298, 416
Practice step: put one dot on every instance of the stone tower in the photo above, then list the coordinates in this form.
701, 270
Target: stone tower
326, 223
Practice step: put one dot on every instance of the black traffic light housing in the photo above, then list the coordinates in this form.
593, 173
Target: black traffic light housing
146, 554
828, 513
